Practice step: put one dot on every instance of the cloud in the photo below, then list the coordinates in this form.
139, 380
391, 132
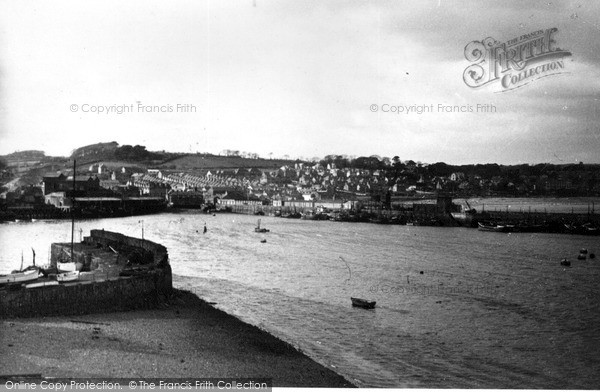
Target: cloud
291, 77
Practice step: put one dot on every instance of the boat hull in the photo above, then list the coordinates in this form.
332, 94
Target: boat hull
362, 303
20, 277
41, 284
67, 276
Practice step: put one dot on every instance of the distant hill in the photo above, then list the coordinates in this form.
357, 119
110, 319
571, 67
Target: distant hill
95, 152
138, 155
26, 155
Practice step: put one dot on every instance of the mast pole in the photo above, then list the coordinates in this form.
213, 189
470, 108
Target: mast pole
73, 209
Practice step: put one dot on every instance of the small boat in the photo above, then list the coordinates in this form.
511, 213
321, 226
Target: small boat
565, 263
258, 229
590, 229
19, 277
67, 276
491, 227
362, 303
41, 284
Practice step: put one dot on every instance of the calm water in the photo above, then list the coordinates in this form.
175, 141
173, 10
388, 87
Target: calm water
455, 307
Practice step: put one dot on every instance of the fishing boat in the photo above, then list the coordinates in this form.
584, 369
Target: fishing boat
258, 229
362, 303
19, 277
67, 276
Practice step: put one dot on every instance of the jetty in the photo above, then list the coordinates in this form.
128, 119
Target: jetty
117, 273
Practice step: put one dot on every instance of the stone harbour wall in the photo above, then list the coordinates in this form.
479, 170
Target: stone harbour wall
124, 293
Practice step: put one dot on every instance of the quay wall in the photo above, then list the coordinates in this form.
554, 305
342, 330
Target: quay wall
124, 293
146, 286
119, 241
420, 212
539, 217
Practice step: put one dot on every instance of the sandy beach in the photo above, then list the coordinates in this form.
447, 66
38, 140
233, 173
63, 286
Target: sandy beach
185, 338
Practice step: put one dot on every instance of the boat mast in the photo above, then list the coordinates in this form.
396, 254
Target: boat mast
73, 209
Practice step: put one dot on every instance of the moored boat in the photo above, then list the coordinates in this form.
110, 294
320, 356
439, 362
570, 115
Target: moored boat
490, 227
67, 276
362, 303
19, 277
258, 229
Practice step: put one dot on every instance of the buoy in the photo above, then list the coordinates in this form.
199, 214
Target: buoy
583, 251
581, 256
565, 262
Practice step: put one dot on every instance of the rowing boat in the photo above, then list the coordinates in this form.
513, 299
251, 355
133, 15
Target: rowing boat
362, 303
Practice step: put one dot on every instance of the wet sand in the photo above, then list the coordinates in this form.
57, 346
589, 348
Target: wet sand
186, 338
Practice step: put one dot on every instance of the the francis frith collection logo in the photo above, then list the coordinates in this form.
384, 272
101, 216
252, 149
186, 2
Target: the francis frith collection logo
516, 62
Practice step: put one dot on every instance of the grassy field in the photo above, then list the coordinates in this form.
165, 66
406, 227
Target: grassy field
201, 161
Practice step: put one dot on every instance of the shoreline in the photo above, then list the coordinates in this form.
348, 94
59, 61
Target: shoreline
187, 337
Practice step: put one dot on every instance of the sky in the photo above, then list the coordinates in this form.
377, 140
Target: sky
296, 78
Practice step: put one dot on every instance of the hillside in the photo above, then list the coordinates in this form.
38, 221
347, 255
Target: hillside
95, 152
207, 161
28, 167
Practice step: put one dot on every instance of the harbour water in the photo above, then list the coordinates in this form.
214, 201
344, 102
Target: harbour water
456, 307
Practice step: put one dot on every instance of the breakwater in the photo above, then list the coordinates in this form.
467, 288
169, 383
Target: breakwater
141, 279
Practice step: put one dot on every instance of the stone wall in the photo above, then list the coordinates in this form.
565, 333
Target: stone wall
124, 293
118, 241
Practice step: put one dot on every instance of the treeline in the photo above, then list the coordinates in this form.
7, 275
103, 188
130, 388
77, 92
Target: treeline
136, 153
394, 167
